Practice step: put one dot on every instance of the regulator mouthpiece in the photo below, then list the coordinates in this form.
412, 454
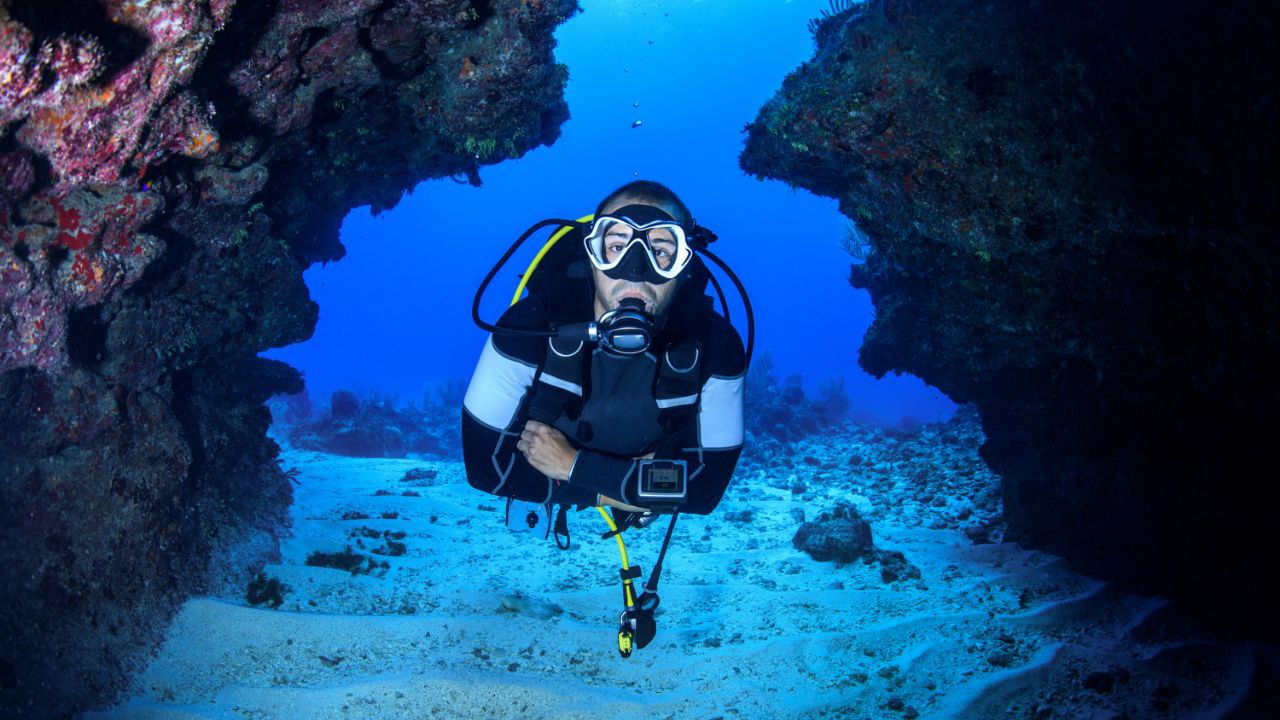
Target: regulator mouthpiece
627, 330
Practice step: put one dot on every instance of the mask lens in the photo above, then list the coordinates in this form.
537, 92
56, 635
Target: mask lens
616, 237
608, 241
662, 243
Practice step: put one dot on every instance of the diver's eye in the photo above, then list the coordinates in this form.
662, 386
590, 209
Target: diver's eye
662, 257
663, 248
613, 249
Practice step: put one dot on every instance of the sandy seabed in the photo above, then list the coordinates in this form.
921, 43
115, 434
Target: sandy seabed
472, 620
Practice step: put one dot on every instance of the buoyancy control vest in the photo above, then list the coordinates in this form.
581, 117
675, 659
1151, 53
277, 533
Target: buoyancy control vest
621, 404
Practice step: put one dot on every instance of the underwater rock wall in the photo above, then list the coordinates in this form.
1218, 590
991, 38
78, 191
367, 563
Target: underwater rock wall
167, 171
1070, 221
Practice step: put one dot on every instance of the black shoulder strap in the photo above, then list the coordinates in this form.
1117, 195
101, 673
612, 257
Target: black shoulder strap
676, 391
559, 380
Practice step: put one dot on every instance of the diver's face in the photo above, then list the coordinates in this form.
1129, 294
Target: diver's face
610, 293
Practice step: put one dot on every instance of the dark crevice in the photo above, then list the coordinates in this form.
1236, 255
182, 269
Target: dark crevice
121, 44
311, 37
386, 68
483, 10
9, 139
42, 170
184, 409
325, 112
55, 255
177, 251
87, 336
231, 46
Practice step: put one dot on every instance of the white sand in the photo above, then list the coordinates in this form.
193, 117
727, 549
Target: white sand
749, 627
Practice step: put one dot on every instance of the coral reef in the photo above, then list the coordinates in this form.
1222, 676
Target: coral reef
923, 477
378, 427
782, 412
1071, 215
167, 171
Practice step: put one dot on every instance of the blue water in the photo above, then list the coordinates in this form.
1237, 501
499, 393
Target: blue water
395, 313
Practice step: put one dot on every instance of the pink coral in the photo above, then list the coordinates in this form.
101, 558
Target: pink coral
336, 60
78, 246
81, 248
90, 133
183, 127
33, 78
16, 175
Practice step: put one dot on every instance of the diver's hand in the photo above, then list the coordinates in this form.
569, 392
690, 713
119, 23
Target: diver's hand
547, 450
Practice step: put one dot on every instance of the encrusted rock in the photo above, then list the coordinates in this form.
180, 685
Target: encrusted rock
1065, 213
168, 169
839, 534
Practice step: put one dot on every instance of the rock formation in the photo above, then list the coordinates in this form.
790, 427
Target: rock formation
1070, 220
167, 171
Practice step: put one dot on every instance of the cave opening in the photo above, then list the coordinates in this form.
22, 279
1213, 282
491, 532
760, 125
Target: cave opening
407, 281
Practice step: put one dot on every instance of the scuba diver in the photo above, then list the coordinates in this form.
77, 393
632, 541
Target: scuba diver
613, 383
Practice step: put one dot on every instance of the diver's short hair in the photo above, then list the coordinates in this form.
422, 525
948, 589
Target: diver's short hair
654, 193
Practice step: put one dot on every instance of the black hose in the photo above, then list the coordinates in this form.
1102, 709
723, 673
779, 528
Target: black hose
746, 302
651, 586
475, 304
719, 291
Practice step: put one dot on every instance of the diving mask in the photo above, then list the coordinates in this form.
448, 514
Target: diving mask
640, 243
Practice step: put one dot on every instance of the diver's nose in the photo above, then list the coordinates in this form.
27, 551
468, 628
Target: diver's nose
633, 266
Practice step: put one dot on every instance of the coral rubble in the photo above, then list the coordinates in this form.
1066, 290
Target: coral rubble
167, 171
1072, 220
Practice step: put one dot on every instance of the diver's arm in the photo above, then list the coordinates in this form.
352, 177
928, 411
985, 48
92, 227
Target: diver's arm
606, 500
711, 445
713, 451
495, 411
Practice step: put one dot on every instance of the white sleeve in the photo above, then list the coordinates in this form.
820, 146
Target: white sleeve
497, 387
720, 413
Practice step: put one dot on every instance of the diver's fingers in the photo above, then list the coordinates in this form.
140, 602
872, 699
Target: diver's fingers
542, 430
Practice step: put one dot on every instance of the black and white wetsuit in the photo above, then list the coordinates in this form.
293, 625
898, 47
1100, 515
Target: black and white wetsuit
613, 415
